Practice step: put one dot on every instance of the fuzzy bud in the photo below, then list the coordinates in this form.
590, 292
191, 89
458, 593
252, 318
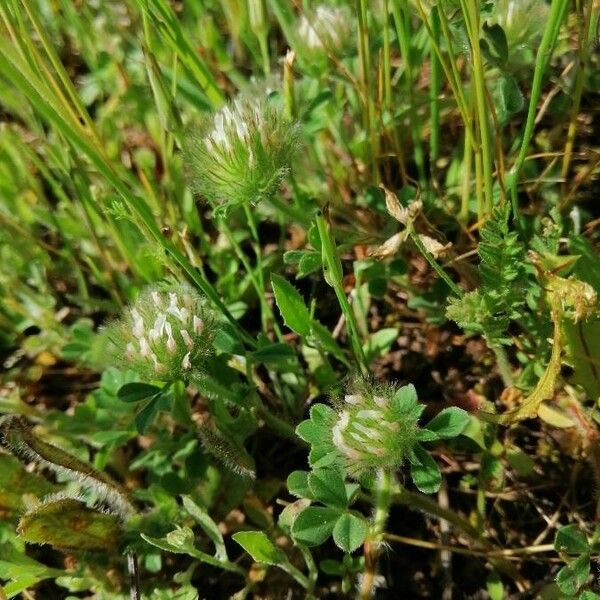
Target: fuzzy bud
243, 153
165, 335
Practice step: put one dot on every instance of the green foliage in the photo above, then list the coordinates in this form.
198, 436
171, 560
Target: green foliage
500, 297
572, 543
157, 361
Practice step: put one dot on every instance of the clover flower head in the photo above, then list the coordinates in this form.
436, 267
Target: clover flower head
327, 29
165, 335
372, 427
243, 153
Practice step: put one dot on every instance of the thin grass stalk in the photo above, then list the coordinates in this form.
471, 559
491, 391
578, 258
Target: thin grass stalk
542, 60
585, 40
465, 195
403, 33
471, 16
18, 74
364, 54
450, 70
435, 88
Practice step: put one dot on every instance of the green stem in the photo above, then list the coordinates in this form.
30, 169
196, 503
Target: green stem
403, 33
332, 267
267, 312
277, 424
544, 53
585, 40
471, 16
373, 543
364, 54
435, 89
434, 265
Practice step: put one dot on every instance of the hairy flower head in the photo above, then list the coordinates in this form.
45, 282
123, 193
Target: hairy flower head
243, 153
372, 427
164, 335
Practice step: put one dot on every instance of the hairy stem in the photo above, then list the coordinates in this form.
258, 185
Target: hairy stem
373, 542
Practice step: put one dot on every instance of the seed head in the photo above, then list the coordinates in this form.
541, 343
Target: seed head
164, 335
243, 153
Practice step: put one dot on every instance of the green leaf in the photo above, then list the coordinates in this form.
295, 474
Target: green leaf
274, 354
208, 525
424, 470
405, 399
323, 338
587, 595
145, 416
134, 392
314, 525
494, 586
291, 305
69, 524
571, 539
494, 44
297, 484
449, 423
15, 482
259, 547
332, 567
327, 486
312, 432
350, 532
571, 577
379, 343
521, 462
309, 263
290, 513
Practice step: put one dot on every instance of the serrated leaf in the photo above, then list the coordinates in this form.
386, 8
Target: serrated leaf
449, 423
314, 525
260, 547
327, 486
572, 576
424, 471
134, 392
291, 305
570, 539
350, 532
68, 523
